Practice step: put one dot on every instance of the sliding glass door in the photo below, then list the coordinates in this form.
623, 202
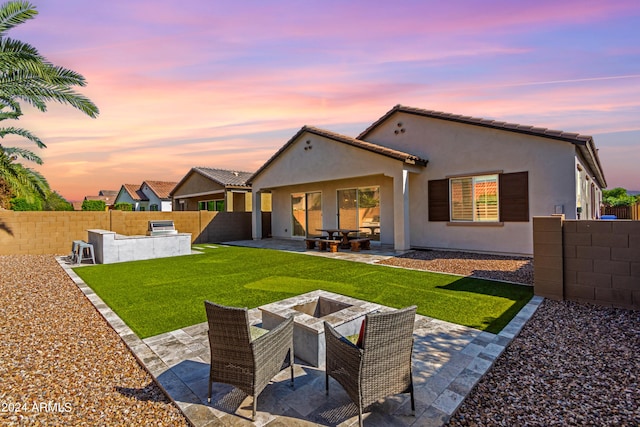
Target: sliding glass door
306, 214
359, 208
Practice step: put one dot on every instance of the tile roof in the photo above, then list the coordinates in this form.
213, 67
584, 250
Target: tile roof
375, 148
225, 177
108, 193
162, 189
134, 192
584, 143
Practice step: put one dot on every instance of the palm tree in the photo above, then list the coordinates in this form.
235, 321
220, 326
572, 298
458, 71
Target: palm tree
26, 76
20, 181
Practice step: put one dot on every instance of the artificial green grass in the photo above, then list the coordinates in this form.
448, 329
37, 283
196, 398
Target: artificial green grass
162, 295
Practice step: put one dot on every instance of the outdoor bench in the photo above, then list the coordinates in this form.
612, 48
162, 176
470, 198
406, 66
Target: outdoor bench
331, 244
311, 243
357, 244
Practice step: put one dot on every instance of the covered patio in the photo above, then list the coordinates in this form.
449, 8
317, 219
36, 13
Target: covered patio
320, 179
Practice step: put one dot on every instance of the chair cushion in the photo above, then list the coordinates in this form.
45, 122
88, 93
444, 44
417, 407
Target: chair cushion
353, 339
257, 332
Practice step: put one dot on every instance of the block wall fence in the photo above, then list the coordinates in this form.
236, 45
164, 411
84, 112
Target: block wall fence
53, 232
588, 261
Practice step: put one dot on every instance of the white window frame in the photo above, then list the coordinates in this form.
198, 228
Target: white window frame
474, 210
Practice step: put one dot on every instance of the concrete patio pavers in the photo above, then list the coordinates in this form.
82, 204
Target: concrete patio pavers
448, 360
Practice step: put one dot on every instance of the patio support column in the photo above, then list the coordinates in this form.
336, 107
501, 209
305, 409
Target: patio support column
256, 215
401, 225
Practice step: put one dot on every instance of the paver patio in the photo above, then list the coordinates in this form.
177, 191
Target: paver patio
448, 360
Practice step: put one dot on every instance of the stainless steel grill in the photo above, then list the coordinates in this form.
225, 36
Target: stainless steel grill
161, 227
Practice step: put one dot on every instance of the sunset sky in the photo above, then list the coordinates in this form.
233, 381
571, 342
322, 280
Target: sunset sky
225, 84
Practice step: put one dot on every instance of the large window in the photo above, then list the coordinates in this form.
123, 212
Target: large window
489, 198
211, 205
359, 208
474, 198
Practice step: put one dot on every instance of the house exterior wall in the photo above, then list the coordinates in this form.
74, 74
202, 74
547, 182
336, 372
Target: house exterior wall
197, 188
195, 184
281, 225
164, 205
588, 193
124, 197
327, 166
458, 149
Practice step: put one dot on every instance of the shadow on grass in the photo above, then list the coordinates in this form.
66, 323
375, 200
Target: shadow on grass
519, 294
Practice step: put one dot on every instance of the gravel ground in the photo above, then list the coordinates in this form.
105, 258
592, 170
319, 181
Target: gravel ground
60, 362
509, 269
572, 364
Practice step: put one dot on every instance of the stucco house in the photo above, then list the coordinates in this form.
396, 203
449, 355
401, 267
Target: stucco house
148, 196
213, 190
418, 178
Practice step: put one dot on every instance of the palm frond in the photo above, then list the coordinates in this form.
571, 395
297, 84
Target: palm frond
15, 13
23, 182
22, 152
23, 133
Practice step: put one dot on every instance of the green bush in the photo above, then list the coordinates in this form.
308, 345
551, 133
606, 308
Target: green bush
55, 202
94, 205
19, 204
123, 206
617, 197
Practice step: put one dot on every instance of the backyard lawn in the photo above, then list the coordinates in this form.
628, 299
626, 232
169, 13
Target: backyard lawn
162, 295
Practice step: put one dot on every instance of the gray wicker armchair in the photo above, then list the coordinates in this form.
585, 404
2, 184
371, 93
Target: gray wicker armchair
382, 367
237, 359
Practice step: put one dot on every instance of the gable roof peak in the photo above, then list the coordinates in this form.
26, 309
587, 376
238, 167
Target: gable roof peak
583, 143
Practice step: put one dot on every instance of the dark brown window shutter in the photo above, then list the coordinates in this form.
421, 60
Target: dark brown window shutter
439, 200
514, 197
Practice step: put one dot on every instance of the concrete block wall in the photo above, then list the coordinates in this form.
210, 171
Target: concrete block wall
600, 261
46, 232
53, 232
226, 226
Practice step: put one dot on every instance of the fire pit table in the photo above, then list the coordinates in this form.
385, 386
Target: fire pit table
310, 311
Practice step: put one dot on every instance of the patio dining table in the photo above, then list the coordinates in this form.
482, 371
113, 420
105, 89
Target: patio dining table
344, 242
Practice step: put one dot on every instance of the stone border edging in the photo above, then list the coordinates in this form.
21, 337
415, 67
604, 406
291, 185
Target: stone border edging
146, 358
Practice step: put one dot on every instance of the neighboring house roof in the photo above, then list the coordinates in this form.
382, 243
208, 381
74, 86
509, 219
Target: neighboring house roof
134, 192
375, 148
584, 143
224, 177
162, 189
108, 193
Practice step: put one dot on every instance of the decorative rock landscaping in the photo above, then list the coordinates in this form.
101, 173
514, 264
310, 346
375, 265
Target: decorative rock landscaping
60, 362
572, 364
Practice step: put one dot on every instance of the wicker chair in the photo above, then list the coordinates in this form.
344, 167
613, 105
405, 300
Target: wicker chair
237, 359
382, 367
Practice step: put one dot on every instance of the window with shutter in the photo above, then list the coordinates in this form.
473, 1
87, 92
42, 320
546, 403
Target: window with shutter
514, 197
483, 198
438, 200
